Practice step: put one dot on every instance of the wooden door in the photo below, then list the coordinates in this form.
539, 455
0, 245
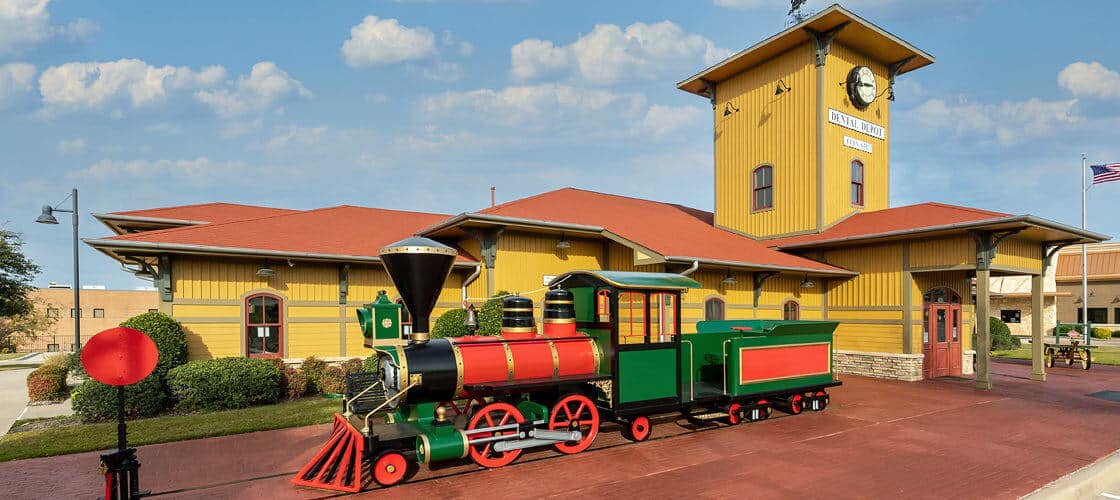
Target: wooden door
940, 334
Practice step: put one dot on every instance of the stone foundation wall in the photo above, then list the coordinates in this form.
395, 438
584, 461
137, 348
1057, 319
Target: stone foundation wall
907, 367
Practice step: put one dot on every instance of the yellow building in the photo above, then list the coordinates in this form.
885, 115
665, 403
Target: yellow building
801, 229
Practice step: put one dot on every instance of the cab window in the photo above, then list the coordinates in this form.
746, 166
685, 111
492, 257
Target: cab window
662, 317
631, 318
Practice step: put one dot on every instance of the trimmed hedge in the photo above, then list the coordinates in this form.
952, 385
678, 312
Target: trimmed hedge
294, 382
224, 383
47, 383
332, 380
167, 334
313, 367
75, 365
1101, 333
450, 323
1001, 336
94, 401
352, 365
370, 364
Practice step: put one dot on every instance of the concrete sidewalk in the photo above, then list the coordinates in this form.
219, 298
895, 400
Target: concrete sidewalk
879, 439
13, 394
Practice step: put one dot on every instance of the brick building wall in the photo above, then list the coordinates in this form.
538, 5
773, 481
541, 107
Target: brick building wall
101, 309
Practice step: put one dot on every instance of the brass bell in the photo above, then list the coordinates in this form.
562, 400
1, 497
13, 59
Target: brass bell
472, 318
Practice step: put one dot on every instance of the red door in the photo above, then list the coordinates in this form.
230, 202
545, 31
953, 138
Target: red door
942, 341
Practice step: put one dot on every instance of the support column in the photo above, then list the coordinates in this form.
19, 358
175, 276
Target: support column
983, 335
1038, 369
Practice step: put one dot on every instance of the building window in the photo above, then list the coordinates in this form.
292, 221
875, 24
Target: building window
74, 313
713, 309
631, 318
791, 310
153, 310
52, 312
263, 325
1010, 315
763, 179
99, 313
1116, 315
1097, 315
857, 182
662, 317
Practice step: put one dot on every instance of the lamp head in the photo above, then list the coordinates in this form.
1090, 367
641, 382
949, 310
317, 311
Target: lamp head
266, 271
47, 217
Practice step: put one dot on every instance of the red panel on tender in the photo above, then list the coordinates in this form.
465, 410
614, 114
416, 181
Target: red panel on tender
771, 363
531, 360
484, 362
576, 356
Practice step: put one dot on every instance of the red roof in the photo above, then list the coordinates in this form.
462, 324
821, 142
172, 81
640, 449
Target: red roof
892, 220
209, 212
342, 230
668, 229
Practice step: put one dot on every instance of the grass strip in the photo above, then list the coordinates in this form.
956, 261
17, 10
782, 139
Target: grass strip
1104, 355
77, 438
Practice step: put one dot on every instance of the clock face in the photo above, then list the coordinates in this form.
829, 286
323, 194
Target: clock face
861, 86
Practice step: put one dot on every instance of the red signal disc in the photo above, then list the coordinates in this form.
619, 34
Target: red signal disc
119, 356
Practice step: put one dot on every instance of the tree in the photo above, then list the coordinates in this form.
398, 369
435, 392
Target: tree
16, 273
24, 327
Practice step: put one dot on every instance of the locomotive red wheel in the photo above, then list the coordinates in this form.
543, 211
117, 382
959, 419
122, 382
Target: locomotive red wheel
733, 415
389, 469
795, 404
638, 430
765, 413
575, 412
493, 415
822, 401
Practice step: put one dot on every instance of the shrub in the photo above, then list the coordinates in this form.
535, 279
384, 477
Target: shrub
313, 367
168, 336
294, 382
352, 365
450, 324
75, 365
47, 383
1101, 333
1001, 335
224, 383
332, 380
94, 401
371, 364
58, 359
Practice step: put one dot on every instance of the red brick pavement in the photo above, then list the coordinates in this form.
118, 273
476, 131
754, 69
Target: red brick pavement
878, 439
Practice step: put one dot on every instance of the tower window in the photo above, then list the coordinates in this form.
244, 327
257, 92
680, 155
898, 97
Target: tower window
857, 182
763, 179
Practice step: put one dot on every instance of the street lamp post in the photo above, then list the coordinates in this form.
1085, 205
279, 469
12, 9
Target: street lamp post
47, 217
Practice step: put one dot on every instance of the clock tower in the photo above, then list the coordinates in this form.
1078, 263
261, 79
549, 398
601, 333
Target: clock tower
802, 124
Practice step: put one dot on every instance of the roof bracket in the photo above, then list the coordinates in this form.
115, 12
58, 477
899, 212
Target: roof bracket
710, 91
895, 68
760, 278
1049, 248
987, 242
822, 41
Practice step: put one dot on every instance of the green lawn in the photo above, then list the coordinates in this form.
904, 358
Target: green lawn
103, 436
11, 355
1101, 355
16, 367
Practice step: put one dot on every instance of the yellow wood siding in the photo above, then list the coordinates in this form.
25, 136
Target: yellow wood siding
838, 158
1019, 253
869, 337
213, 340
943, 252
772, 130
185, 312
524, 259
879, 282
306, 339
230, 280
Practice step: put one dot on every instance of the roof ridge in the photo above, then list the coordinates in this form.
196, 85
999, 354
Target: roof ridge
970, 209
196, 205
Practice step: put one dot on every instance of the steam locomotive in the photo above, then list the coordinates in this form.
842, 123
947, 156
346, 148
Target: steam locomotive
610, 350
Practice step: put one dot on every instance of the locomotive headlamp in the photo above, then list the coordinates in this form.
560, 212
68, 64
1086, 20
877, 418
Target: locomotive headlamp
391, 378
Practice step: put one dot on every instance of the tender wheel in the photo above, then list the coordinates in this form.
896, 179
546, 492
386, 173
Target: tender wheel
575, 412
638, 430
1049, 357
389, 469
734, 414
820, 401
1086, 360
793, 405
493, 415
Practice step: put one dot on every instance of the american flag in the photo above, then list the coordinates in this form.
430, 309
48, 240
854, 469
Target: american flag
1106, 173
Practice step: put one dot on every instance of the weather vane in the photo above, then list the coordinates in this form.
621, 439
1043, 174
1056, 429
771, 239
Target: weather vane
795, 11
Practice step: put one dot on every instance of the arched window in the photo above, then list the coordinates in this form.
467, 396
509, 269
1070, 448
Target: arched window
264, 326
763, 185
857, 183
791, 310
713, 309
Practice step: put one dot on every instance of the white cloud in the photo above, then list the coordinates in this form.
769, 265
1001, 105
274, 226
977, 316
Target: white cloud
1007, 122
265, 86
26, 23
610, 54
73, 146
386, 41
661, 121
92, 85
294, 136
1090, 80
198, 169
16, 81
533, 104
465, 49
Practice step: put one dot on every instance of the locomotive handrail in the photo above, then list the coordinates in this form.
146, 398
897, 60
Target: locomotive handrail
365, 430
350, 401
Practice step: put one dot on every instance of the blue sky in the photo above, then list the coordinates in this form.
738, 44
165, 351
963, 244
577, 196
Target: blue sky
423, 105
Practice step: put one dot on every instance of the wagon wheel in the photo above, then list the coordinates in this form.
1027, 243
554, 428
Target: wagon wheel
1086, 360
1049, 357
493, 415
389, 469
575, 412
639, 429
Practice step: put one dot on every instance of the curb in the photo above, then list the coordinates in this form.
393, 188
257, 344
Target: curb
1082, 483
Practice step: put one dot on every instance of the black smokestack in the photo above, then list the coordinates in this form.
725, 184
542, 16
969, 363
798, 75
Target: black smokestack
418, 268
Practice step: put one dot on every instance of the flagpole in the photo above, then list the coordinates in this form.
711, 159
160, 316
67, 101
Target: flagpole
1084, 261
